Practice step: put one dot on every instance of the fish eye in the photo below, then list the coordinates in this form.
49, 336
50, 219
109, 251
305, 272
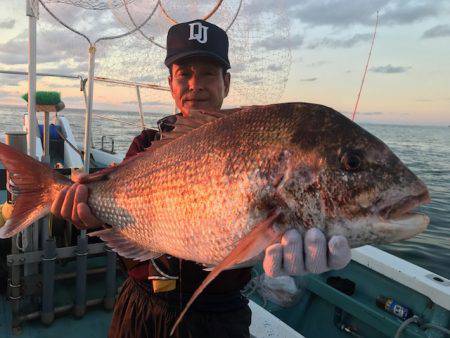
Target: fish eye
351, 161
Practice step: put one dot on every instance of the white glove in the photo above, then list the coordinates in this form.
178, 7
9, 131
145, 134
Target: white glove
286, 257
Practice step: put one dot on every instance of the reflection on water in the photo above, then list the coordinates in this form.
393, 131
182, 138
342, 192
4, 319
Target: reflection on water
425, 150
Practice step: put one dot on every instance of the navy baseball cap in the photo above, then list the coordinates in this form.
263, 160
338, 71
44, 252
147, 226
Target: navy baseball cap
197, 38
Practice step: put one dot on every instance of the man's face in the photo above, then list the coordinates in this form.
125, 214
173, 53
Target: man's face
198, 83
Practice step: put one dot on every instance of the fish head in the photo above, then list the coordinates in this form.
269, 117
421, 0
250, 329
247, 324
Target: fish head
356, 186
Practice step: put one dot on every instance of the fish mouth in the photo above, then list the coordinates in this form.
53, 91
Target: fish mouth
404, 207
399, 221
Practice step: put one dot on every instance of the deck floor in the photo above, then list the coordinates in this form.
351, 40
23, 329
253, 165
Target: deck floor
93, 325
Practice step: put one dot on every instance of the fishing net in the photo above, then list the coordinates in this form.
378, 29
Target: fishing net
284, 291
93, 4
259, 53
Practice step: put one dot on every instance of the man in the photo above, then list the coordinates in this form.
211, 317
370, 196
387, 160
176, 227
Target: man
156, 291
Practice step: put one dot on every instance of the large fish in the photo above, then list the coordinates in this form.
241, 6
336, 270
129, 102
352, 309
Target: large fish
224, 185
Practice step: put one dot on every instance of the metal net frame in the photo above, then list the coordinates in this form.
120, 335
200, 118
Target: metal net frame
92, 5
259, 73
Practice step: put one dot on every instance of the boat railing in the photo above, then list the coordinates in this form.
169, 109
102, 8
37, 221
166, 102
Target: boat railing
104, 142
114, 82
36, 254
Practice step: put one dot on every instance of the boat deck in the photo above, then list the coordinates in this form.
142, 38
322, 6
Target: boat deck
93, 325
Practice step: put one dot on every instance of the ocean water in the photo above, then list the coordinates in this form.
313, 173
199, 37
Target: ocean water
424, 149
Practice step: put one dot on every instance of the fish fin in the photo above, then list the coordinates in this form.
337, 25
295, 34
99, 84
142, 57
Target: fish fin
125, 247
196, 119
104, 173
251, 262
100, 175
34, 186
185, 125
261, 236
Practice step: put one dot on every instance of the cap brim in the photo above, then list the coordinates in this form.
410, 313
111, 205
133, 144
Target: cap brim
169, 61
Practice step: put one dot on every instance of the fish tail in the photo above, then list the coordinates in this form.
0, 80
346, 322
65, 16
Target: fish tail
34, 186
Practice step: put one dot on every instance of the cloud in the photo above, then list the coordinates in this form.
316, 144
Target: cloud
237, 68
253, 80
338, 12
370, 113
437, 32
270, 43
11, 80
340, 43
53, 46
317, 63
65, 68
309, 79
93, 24
56, 43
404, 12
342, 13
389, 69
256, 7
7, 24
274, 67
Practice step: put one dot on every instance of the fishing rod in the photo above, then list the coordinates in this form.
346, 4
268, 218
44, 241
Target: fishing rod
365, 69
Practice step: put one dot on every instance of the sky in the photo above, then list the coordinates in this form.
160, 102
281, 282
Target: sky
287, 50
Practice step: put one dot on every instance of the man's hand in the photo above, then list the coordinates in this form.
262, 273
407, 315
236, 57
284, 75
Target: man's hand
71, 204
295, 255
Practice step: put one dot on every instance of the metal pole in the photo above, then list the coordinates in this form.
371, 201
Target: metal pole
88, 119
110, 279
80, 296
48, 281
83, 88
46, 142
32, 13
141, 111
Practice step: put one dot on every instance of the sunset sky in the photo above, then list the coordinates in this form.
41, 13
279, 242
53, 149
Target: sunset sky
319, 47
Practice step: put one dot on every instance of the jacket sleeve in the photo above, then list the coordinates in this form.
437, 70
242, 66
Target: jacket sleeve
141, 142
